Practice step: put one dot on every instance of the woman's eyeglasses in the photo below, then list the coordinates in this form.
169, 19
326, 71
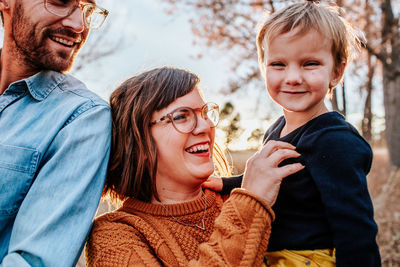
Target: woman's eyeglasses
184, 119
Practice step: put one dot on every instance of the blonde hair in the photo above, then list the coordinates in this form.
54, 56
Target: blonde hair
222, 166
307, 16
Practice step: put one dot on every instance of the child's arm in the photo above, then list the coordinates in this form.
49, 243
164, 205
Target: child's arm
230, 183
339, 163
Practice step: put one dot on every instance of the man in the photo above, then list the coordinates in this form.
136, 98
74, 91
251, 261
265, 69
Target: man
54, 133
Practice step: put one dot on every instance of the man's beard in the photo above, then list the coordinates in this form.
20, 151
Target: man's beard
31, 45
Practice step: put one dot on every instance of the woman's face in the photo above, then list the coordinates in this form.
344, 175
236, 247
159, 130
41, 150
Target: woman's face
184, 159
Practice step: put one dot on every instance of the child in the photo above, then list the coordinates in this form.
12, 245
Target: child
323, 213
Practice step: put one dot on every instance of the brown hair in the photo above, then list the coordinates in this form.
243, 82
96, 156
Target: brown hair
310, 15
133, 161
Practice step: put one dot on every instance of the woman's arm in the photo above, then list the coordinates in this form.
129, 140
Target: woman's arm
241, 231
113, 243
240, 238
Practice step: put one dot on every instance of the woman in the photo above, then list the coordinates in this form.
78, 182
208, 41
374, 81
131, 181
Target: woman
162, 147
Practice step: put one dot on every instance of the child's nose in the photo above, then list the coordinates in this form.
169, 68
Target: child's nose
293, 76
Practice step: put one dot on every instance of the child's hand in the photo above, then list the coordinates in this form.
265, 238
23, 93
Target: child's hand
262, 175
213, 183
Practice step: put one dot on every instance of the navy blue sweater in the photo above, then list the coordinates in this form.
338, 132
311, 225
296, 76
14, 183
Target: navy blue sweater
327, 204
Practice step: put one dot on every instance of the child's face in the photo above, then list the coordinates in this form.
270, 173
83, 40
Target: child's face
299, 69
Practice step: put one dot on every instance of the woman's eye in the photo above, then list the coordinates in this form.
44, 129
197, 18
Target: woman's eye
181, 116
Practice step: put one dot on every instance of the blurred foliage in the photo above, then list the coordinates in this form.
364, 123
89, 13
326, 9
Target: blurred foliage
230, 27
230, 123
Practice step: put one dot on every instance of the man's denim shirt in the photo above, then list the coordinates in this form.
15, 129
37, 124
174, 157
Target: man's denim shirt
54, 149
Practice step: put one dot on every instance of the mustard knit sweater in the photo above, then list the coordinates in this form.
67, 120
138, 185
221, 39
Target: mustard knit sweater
144, 234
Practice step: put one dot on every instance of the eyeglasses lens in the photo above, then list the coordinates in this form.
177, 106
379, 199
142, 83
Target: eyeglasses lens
93, 15
211, 111
184, 120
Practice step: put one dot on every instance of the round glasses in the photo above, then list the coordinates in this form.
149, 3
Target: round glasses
93, 15
184, 119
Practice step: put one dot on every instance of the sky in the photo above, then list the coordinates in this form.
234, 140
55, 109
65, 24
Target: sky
150, 38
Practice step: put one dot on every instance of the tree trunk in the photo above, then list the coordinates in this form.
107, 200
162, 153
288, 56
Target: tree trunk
344, 110
366, 125
391, 80
334, 101
391, 98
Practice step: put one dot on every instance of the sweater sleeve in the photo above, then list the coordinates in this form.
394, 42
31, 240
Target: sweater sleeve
240, 238
241, 233
112, 243
339, 162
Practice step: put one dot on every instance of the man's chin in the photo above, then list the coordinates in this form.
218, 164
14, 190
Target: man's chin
59, 64
61, 67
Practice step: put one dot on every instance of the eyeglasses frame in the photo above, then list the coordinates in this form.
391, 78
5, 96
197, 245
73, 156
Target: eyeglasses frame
203, 115
104, 12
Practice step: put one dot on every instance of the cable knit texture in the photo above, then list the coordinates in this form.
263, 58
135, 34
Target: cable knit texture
144, 234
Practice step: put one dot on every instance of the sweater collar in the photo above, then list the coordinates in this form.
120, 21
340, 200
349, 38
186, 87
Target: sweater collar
133, 205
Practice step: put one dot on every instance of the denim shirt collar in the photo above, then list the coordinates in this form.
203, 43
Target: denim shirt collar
39, 85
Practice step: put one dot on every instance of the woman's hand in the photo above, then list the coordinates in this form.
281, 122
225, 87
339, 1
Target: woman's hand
262, 175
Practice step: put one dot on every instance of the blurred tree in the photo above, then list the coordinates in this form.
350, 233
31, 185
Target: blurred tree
231, 27
230, 123
101, 43
98, 46
256, 137
388, 53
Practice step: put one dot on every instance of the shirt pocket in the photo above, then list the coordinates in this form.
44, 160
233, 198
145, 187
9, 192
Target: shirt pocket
17, 170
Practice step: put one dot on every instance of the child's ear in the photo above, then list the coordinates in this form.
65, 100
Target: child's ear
337, 74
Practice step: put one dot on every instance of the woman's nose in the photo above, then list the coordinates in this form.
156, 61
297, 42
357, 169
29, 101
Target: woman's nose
203, 125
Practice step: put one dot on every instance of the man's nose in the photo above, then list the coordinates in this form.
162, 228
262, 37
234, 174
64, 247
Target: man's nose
75, 21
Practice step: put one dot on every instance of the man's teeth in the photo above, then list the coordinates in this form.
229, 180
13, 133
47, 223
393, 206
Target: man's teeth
195, 149
63, 41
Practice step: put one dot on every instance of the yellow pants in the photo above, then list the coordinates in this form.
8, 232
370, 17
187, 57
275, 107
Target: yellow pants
296, 258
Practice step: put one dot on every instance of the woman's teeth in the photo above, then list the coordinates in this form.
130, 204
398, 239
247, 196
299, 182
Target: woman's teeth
198, 149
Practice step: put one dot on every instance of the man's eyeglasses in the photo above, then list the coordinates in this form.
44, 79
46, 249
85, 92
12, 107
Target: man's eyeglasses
93, 15
184, 119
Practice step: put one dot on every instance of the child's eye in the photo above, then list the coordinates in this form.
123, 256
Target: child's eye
277, 64
311, 63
